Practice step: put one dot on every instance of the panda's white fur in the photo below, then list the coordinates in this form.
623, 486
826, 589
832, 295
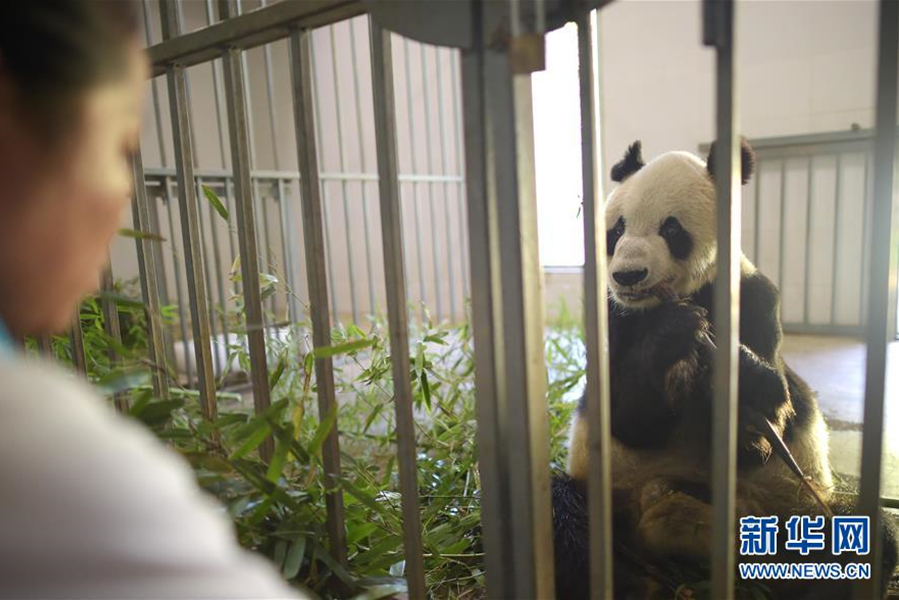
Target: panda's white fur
674, 184
673, 523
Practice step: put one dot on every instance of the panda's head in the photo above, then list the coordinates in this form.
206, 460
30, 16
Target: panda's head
660, 225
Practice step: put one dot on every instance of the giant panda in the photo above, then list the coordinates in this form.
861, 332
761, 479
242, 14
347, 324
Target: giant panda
661, 233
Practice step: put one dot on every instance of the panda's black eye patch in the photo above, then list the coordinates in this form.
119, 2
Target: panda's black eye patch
613, 235
680, 242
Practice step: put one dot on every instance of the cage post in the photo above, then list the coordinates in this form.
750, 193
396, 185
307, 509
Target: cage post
481, 227
146, 263
316, 275
112, 328
597, 393
441, 132
426, 102
193, 251
397, 315
882, 291
363, 185
179, 290
499, 102
419, 259
342, 154
76, 335
246, 233
202, 210
718, 32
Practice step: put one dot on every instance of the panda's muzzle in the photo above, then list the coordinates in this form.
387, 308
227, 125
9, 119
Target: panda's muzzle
630, 278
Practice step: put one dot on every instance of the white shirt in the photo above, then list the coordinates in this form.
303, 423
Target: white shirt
92, 505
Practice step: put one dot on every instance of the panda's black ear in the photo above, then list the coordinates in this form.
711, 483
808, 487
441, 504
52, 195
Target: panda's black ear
630, 164
747, 161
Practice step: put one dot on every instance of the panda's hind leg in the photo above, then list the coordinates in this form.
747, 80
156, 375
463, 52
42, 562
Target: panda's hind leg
673, 521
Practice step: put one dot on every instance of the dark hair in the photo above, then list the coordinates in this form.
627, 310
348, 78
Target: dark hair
55, 49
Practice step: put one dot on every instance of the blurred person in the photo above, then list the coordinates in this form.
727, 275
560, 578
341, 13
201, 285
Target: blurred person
91, 504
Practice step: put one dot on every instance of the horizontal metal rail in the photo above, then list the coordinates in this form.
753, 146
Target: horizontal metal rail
260, 174
261, 26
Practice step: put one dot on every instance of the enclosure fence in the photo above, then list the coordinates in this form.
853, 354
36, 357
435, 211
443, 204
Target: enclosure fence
500, 44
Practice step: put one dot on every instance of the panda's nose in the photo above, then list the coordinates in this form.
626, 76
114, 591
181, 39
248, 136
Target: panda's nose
630, 277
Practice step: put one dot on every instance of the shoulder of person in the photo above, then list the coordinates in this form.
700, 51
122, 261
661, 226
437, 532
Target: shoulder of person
96, 506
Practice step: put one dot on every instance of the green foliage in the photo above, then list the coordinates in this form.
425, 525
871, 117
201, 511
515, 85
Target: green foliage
279, 507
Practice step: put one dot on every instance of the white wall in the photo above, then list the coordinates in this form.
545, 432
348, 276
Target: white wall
804, 66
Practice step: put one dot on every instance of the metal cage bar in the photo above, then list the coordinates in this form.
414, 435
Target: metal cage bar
597, 393
494, 499
193, 251
882, 281
112, 328
76, 336
146, 263
517, 305
338, 112
392, 233
316, 275
246, 233
719, 32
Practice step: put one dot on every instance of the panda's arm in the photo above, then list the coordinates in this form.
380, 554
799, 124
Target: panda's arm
760, 328
763, 383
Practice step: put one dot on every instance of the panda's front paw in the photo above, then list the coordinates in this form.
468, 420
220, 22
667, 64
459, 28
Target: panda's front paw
763, 395
675, 332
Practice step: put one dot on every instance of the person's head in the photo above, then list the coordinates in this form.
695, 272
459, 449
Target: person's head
71, 86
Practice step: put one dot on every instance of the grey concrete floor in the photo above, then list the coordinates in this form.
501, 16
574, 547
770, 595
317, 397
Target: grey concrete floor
835, 368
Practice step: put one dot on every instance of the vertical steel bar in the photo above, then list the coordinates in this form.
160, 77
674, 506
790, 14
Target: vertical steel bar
756, 250
216, 66
179, 290
426, 104
597, 393
485, 328
246, 233
112, 328
267, 240
884, 258
836, 236
360, 143
518, 299
444, 171
234, 8
193, 254
719, 33
202, 210
76, 335
146, 263
867, 203
45, 345
340, 150
783, 224
220, 283
316, 274
455, 76
154, 86
415, 211
329, 254
270, 97
181, 27
808, 238
286, 253
392, 232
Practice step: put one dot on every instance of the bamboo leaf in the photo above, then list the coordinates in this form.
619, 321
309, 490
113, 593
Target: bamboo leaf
344, 348
141, 235
215, 202
324, 427
121, 299
294, 559
253, 441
